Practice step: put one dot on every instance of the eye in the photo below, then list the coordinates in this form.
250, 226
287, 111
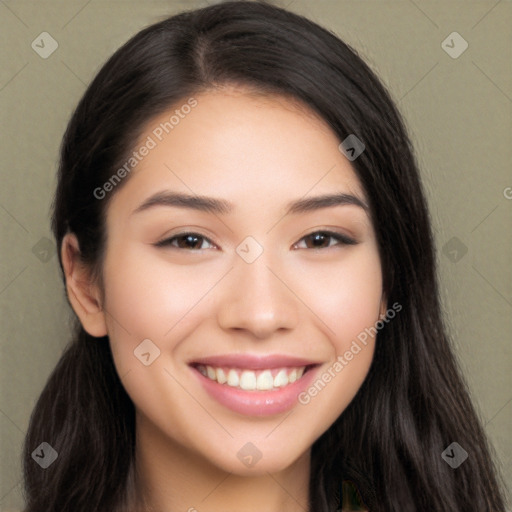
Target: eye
186, 240
318, 239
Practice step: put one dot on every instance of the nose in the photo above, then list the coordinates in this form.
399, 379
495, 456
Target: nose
257, 299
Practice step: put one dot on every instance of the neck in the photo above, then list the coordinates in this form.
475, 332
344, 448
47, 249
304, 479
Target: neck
171, 478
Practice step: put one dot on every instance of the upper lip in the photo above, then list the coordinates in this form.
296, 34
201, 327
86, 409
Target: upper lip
254, 362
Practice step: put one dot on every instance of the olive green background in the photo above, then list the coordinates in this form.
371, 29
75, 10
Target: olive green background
458, 111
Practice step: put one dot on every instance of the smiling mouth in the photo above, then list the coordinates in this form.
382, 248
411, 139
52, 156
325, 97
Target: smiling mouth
253, 380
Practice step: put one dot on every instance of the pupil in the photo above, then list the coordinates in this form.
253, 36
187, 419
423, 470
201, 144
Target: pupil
192, 239
319, 237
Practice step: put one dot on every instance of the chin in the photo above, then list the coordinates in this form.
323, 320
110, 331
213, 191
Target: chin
249, 461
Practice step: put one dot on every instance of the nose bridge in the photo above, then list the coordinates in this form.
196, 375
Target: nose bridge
255, 298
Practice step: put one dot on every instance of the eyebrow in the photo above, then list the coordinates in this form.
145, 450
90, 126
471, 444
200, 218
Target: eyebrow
221, 206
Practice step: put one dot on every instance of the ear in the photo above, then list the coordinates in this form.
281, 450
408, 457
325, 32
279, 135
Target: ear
83, 294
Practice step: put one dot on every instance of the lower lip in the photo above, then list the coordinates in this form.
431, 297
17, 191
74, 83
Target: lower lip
257, 403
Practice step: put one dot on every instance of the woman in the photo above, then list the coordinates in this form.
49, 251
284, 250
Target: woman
246, 244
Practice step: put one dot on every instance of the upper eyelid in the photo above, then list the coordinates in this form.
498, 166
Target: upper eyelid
183, 233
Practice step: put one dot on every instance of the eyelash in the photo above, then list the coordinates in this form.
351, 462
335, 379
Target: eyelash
341, 238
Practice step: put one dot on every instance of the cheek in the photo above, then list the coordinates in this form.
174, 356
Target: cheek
149, 299
347, 300
147, 296
345, 296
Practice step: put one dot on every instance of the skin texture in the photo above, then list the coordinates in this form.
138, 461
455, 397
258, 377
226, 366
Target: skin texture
258, 153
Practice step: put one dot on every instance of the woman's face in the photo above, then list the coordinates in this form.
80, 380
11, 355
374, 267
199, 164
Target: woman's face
254, 295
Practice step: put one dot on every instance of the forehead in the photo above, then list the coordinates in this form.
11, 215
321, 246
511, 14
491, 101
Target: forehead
242, 146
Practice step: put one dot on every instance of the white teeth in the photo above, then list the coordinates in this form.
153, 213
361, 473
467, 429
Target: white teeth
221, 376
265, 381
281, 379
211, 372
248, 380
233, 379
